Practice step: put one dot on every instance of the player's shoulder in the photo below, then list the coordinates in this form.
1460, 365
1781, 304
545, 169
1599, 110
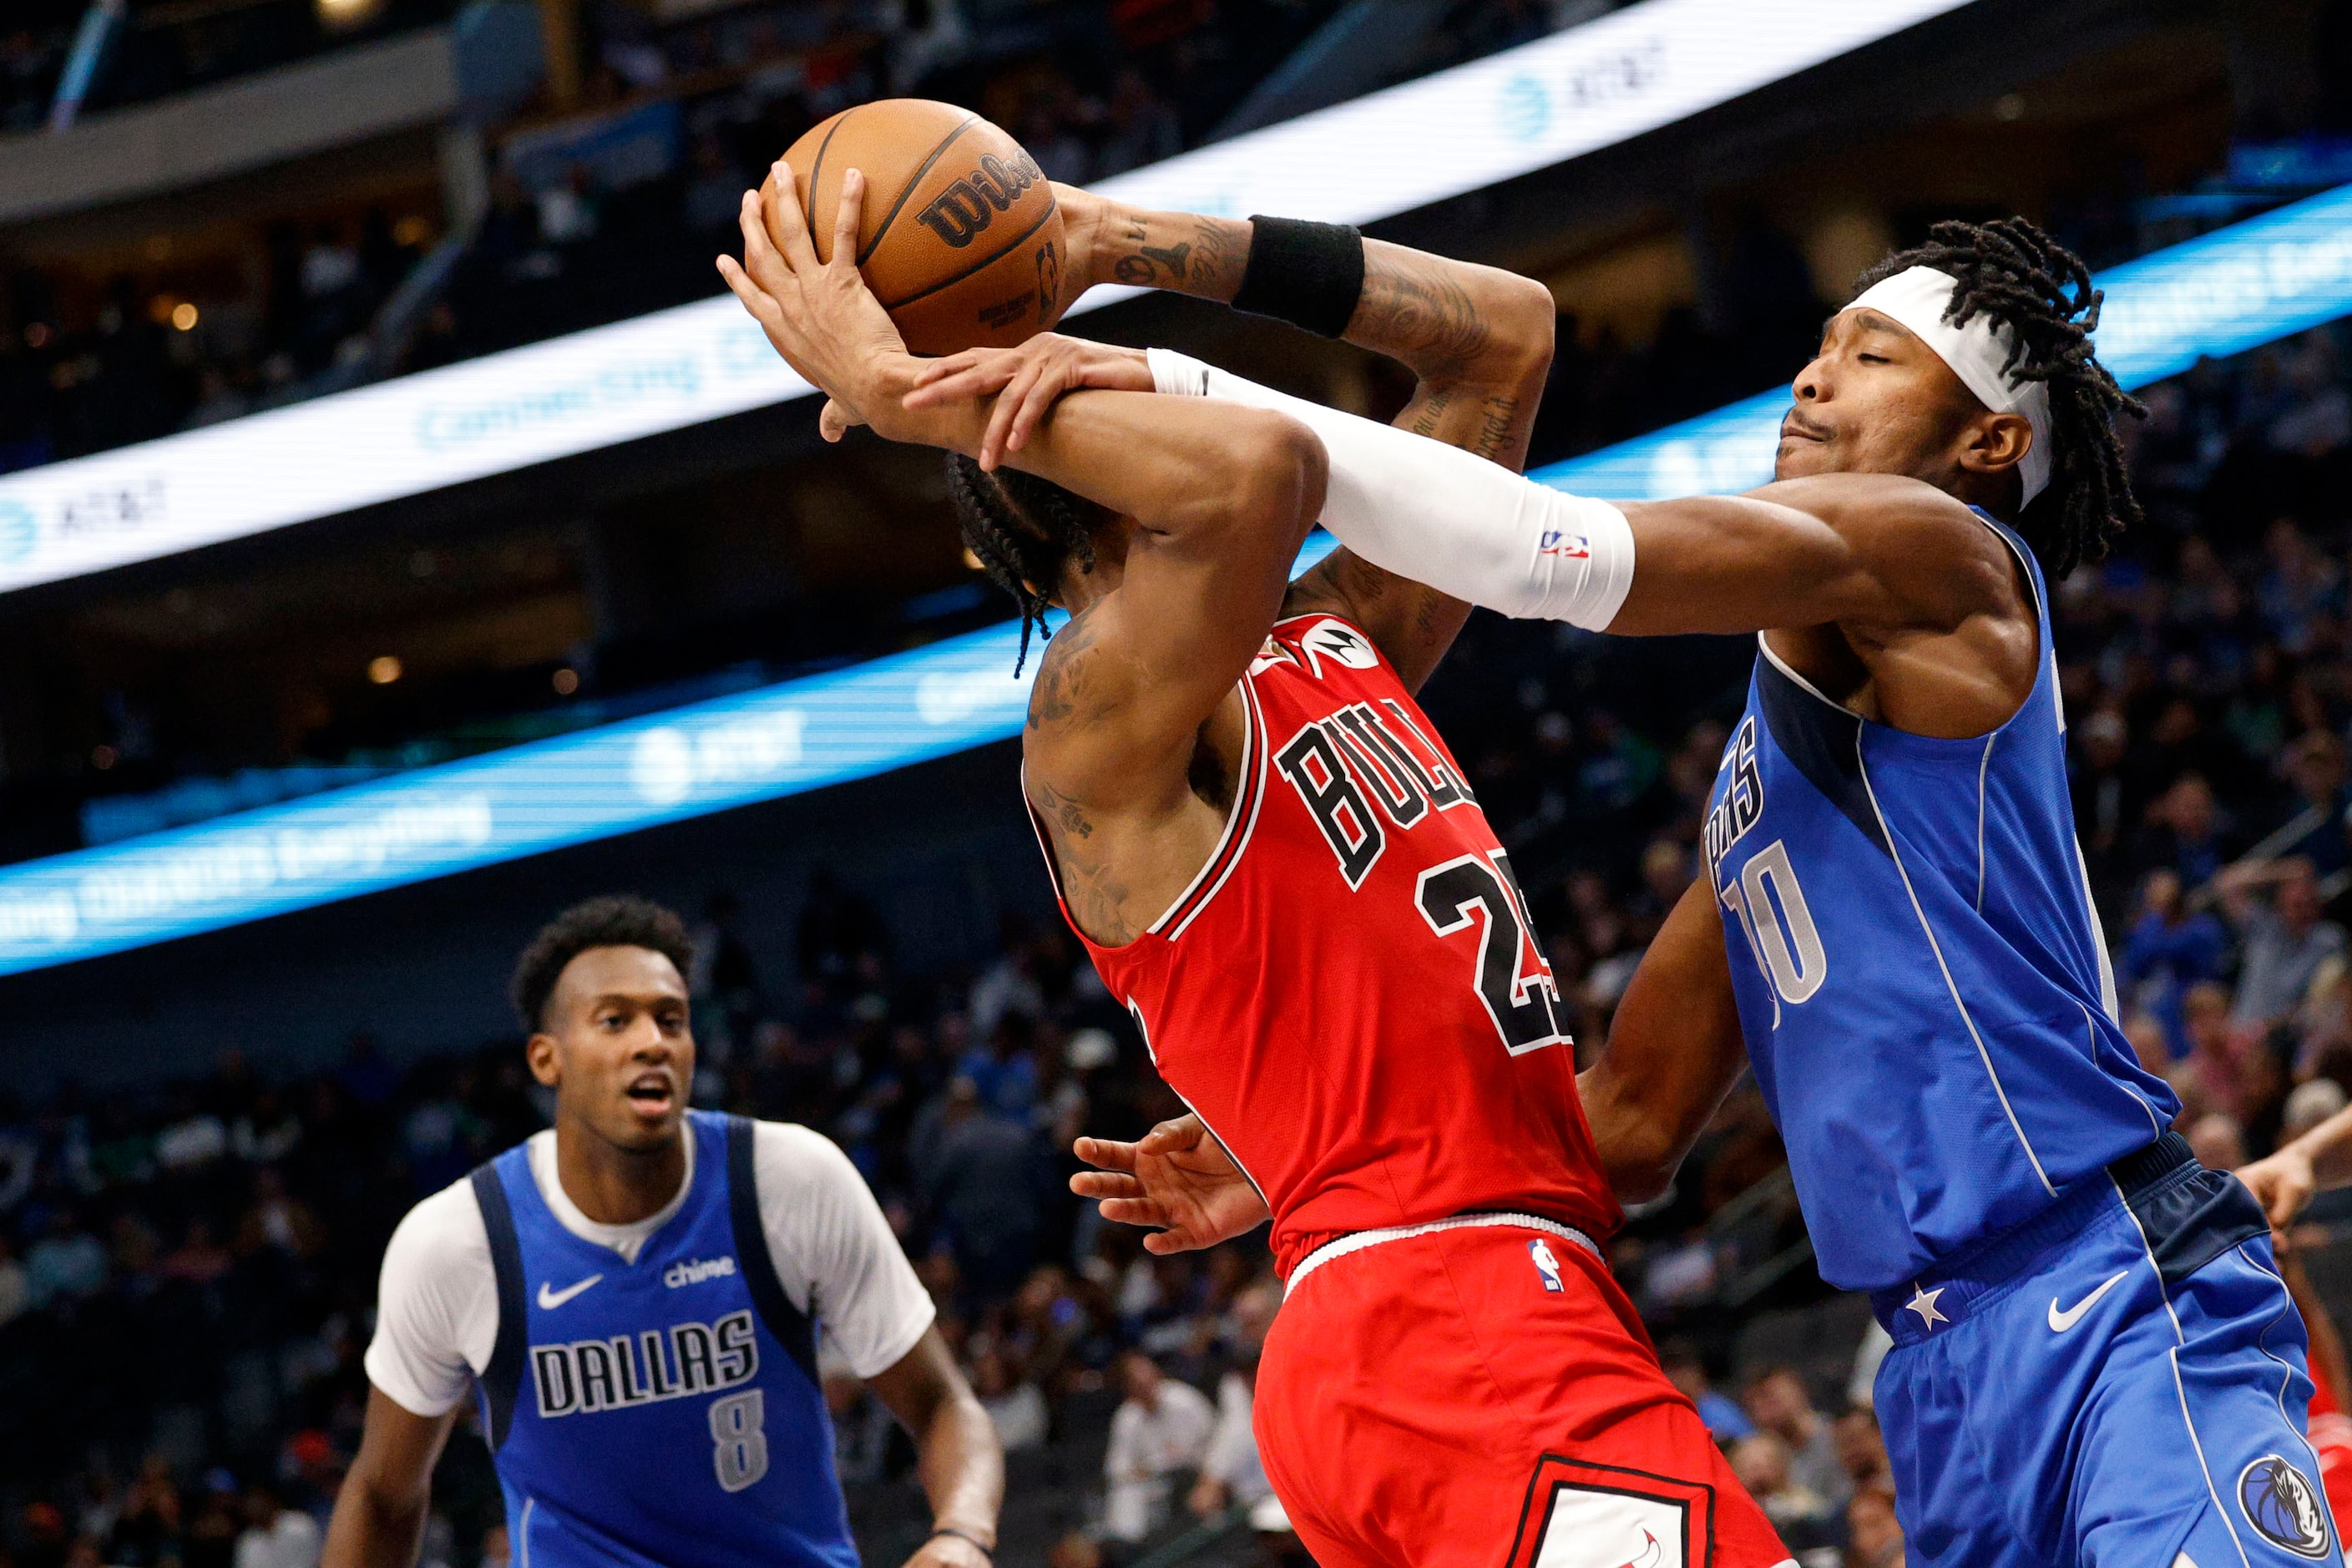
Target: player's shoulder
441, 1232
795, 1162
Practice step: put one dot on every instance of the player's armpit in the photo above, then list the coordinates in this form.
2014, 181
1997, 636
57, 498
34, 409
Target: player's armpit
1674, 1052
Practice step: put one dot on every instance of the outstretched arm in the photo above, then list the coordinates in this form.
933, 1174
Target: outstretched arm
1674, 1052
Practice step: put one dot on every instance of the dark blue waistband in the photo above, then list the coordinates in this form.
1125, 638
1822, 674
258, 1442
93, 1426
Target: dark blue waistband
2187, 1214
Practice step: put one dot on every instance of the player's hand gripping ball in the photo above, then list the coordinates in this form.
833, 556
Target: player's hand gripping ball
960, 237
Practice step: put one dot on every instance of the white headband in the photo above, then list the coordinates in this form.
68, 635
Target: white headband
1917, 298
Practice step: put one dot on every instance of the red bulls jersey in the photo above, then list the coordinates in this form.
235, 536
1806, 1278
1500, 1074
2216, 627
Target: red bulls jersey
1348, 994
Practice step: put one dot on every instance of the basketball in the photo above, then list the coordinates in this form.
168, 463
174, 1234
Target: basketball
961, 240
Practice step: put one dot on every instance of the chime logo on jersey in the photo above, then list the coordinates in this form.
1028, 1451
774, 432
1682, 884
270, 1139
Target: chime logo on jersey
694, 1271
1743, 796
627, 1370
1341, 763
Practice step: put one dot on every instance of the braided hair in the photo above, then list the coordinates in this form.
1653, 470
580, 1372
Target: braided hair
2013, 273
1023, 531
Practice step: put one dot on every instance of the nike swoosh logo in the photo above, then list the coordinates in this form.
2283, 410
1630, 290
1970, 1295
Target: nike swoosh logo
551, 1299
2061, 1321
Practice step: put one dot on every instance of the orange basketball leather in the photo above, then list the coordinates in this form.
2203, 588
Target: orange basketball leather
961, 238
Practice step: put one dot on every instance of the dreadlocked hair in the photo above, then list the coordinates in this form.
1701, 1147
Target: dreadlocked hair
2024, 281
1023, 531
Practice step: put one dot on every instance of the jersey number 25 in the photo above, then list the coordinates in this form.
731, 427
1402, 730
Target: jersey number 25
1454, 895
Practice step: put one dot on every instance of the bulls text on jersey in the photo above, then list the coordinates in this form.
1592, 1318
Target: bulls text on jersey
1341, 763
583, 1376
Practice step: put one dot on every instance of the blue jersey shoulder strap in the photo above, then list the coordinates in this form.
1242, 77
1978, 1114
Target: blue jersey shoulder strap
787, 1323
503, 1376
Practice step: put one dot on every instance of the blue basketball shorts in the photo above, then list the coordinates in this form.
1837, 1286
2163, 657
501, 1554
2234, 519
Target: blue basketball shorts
2119, 1381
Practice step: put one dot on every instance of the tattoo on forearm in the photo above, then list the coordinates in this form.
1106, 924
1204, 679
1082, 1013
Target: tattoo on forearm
1417, 314
1146, 263
1209, 263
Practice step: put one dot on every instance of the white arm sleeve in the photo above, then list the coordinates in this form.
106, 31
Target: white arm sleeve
436, 1314
1437, 515
834, 1250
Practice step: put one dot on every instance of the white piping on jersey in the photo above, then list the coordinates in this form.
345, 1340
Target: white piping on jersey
523, 1547
1135, 1011
1950, 983
1254, 750
1983, 767
2172, 1358
2092, 1031
1356, 1241
1253, 747
2263, 1344
1783, 666
2108, 1002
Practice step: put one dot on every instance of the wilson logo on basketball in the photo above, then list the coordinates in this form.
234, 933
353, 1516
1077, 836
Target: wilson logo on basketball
959, 214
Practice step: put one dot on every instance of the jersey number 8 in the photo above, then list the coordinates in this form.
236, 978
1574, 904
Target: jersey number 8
737, 1430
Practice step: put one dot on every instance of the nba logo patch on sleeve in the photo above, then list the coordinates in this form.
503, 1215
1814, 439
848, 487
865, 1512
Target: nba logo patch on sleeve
1547, 1265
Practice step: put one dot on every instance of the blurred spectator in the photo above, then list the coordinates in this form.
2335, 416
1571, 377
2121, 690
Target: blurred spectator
981, 1177
1161, 1428
2285, 937
1013, 1405
1777, 1402
1873, 1537
1724, 1418
2169, 949
1231, 1476
1763, 1464
274, 1536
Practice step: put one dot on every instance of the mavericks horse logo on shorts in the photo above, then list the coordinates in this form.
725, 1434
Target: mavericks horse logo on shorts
2283, 1506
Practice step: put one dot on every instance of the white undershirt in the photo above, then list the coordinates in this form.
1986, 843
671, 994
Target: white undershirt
437, 1299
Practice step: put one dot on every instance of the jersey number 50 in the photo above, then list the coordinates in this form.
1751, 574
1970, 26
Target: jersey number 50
1781, 930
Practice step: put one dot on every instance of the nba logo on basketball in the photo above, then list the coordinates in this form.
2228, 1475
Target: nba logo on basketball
1545, 1263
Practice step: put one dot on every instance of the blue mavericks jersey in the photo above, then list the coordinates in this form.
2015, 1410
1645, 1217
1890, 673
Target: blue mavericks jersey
661, 1412
1922, 980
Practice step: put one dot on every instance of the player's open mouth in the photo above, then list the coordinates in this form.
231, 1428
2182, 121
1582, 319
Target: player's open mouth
651, 1091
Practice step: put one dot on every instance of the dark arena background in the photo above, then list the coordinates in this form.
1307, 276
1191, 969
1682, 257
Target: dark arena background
401, 537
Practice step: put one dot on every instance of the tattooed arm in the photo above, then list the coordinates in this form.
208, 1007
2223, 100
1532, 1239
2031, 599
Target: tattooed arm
1135, 727
1479, 340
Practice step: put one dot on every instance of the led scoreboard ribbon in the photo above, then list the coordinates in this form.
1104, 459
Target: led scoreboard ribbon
1460, 130
2232, 290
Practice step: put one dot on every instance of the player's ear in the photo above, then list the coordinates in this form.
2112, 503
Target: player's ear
1995, 443
540, 1051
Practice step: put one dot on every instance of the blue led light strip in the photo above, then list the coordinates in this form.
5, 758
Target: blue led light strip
2249, 284
2252, 283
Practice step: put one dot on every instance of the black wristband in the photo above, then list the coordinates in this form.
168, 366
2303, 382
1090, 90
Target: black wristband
1309, 274
985, 1549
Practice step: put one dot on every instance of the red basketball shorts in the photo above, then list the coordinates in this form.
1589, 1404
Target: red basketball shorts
1484, 1396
